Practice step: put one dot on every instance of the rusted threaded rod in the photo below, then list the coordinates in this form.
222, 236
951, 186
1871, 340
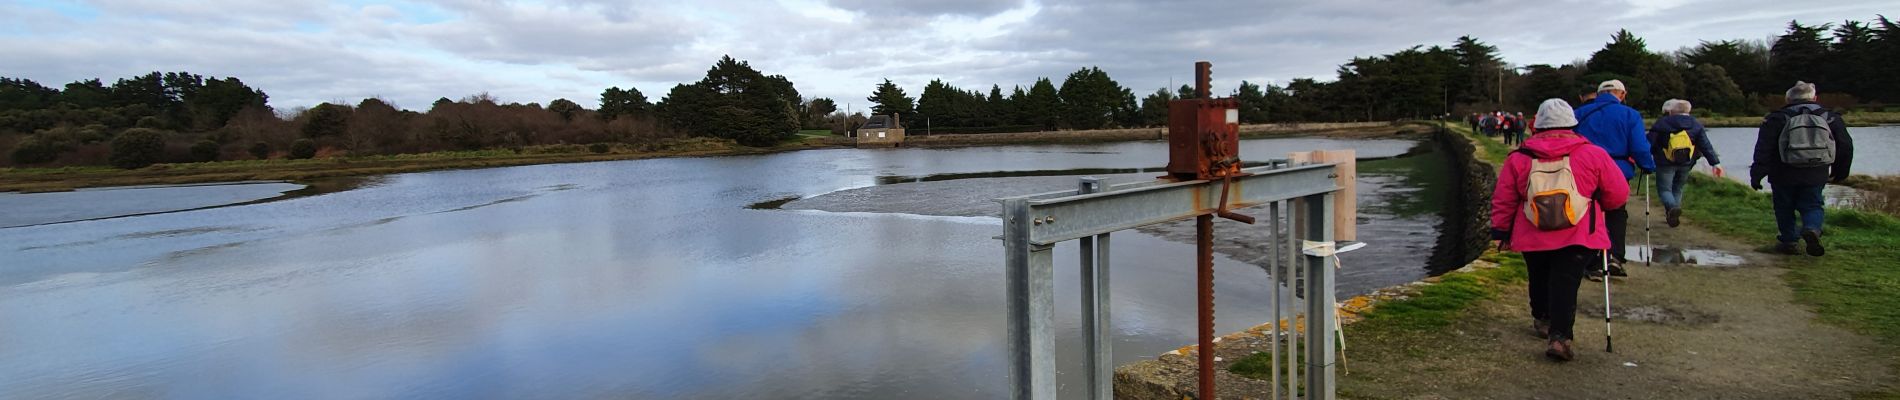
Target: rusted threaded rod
1204, 287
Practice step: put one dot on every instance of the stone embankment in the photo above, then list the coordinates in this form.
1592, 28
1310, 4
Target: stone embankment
917, 138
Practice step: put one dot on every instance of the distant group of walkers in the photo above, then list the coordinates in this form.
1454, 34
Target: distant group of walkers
1493, 124
1561, 196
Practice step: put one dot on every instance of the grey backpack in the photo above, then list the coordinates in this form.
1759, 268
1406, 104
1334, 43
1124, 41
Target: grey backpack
1806, 141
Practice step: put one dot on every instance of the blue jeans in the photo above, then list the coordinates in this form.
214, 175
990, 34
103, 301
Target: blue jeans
1669, 182
1803, 199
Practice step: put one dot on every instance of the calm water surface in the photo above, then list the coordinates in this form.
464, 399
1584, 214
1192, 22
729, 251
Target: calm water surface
631, 279
1874, 149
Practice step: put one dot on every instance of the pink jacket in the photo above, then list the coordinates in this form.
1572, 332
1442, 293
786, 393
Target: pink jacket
1597, 177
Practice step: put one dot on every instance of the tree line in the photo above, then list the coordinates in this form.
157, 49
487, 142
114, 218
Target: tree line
1731, 77
184, 117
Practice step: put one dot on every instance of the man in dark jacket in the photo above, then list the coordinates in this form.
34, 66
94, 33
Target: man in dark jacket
1672, 174
1618, 129
1798, 189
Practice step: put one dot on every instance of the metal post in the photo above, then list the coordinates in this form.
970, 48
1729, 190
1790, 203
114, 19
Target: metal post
1294, 271
1319, 300
1034, 223
1274, 270
1204, 299
1031, 307
1095, 317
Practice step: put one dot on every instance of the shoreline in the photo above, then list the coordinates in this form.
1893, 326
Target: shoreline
40, 180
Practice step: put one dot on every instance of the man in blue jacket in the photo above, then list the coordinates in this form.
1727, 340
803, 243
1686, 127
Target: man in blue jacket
1618, 129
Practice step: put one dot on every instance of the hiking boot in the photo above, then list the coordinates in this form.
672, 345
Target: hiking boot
1541, 328
1616, 269
1786, 248
1560, 350
1675, 217
1813, 240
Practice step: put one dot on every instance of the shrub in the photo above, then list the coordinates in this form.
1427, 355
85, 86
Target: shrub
204, 150
137, 148
599, 148
302, 149
260, 150
35, 150
150, 122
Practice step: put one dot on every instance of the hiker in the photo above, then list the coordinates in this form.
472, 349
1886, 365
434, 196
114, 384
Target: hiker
1506, 126
1797, 148
1489, 123
1679, 140
1522, 126
1549, 204
1618, 129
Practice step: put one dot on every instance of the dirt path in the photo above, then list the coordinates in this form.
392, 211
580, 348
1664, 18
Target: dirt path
1681, 332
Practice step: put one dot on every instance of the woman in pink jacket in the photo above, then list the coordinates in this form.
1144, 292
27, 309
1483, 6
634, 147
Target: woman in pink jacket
1549, 205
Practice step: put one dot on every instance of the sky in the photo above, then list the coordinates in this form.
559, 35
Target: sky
411, 52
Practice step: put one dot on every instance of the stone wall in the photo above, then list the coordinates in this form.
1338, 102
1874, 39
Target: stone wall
1468, 232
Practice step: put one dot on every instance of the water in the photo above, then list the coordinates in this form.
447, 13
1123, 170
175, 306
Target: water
1671, 255
46, 208
1872, 147
630, 279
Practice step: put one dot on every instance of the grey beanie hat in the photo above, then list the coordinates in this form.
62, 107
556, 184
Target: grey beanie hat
1555, 113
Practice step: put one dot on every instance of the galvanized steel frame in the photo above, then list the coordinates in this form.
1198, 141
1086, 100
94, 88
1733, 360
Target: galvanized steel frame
1034, 224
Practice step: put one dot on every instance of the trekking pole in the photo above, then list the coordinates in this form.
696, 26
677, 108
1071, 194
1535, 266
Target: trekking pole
1649, 247
1608, 345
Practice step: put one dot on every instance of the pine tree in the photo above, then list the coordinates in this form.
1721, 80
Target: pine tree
889, 99
1043, 106
1799, 55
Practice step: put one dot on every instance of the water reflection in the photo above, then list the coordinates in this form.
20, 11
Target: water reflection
642, 279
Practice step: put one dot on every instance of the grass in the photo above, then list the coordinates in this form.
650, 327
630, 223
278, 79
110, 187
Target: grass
1488, 149
1857, 285
1437, 305
1433, 308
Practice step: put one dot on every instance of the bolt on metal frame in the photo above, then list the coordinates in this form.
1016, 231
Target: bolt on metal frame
1034, 224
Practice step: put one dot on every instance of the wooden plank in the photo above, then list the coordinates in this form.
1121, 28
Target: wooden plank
1346, 201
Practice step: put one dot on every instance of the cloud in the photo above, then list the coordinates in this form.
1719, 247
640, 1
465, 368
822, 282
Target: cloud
414, 51
970, 8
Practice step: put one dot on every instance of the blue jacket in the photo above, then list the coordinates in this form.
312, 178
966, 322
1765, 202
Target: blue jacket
1618, 129
1669, 125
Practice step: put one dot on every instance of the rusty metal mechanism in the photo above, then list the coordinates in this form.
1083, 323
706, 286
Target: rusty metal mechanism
1203, 132
1204, 144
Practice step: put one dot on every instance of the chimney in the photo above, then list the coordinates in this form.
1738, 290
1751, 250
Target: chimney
895, 123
